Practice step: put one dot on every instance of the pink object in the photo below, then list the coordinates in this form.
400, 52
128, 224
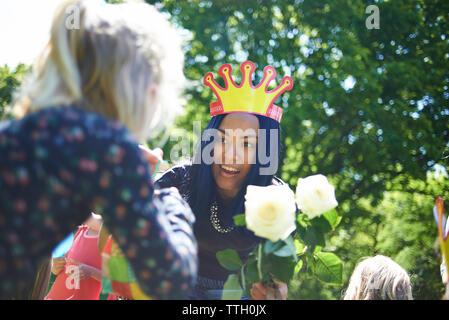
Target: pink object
66, 286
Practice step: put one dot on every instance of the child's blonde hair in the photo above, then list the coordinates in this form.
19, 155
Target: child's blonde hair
123, 61
379, 278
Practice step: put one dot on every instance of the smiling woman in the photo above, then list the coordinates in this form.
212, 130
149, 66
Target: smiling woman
216, 192
234, 153
239, 143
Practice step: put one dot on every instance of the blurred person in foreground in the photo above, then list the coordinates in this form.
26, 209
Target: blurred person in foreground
107, 74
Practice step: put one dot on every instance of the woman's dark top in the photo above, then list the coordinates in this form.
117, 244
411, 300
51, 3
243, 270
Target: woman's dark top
59, 164
210, 241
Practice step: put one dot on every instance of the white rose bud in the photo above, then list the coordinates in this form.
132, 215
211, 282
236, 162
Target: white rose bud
270, 211
315, 195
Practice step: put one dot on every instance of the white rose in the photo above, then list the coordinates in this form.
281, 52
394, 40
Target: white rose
270, 211
315, 195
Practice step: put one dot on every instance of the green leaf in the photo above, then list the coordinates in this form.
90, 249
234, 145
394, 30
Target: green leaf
298, 267
312, 238
229, 259
287, 250
311, 265
300, 246
281, 268
252, 275
321, 224
333, 218
247, 291
232, 289
270, 246
317, 249
329, 268
240, 220
302, 221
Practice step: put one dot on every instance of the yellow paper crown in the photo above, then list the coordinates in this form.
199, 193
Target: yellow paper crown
247, 98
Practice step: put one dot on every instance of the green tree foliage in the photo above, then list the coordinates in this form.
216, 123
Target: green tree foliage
402, 227
369, 107
9, 81
394, 118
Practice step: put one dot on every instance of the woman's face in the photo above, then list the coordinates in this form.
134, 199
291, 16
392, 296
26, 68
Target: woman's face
234, 152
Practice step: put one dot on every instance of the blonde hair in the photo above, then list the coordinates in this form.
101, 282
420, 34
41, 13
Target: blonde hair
123, 61
379, 278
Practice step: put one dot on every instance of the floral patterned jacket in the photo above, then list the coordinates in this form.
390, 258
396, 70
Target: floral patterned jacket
57, 166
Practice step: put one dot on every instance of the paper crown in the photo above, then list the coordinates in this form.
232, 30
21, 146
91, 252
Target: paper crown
246, 97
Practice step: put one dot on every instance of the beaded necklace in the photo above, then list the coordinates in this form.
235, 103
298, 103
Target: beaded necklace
216, 221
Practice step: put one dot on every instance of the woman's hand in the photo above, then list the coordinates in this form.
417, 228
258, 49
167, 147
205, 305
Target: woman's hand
260, 291
153, 156
57, 265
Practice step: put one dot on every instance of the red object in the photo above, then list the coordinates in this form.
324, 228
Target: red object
84, 250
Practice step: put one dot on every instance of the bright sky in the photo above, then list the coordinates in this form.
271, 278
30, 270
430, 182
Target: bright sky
24, 29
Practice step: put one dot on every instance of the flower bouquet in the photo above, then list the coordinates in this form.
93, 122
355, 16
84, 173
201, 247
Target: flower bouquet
294, 226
